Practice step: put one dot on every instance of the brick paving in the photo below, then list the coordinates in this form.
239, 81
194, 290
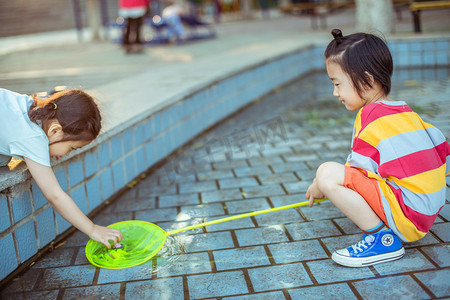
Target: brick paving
280, 255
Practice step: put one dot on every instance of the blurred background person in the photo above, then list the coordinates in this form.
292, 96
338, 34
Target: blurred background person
133, 12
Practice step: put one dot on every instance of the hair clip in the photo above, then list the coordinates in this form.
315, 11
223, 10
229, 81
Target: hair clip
56, 106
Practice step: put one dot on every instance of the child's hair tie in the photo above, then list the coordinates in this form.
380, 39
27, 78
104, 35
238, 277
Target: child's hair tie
337, 34
56, 106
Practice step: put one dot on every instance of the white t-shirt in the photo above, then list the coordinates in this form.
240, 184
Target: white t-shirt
19, 136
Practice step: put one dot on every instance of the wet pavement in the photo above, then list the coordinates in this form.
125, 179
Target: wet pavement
264, 156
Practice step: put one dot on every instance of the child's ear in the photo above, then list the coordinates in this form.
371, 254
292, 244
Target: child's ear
54, 131
369, 78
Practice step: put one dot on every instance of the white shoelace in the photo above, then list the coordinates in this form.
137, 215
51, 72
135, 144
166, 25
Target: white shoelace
358, 247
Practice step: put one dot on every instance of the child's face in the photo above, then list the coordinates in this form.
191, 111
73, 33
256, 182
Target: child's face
60, 149
343, 87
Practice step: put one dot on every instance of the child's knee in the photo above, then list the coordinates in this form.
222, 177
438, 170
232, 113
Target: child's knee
330, 174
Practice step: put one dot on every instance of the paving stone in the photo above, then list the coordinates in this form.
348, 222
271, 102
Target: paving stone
252, 171
222, 195
76, 239
340, 242
310, 230
412, 261
237, 182
320, 211
81, 257
300, 157
215, 174
250, 205
330, 291
111, 218
161, 289
168, 226
207, 241
266, 160
139, 272
347, 225
442, 230
262, 235
393, 287
156, 190
276, 151
24, 282
57, 258
306, 175
178, 200
228, 225
259, 296
287, 199
326, 271
297, 187
290, 167
194, 187
440, 254
108, 291
279, 277
238, 258
267, 179
157, 215
67, 277
290, 215
44, 295
428, 239
230, 164
134, 204
297, 251
204, 210
183, 264
217, 285
263, 191
437, 281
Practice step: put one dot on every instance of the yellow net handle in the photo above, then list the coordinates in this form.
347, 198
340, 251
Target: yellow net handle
258, 212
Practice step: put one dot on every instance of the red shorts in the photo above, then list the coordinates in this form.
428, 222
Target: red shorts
367, 188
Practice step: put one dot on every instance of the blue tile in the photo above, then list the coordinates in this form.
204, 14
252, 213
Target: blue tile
167, 288
62, 224
107, 184
26, 240
75, 173
46, 227
104, 154
183, 264
90, 163
436, 281
279, 277
261, 235
108, 291
141, 160
21, 205
5, 221
8, 250
118, 175
206, 241
150, 154
297, 251
93, 193
116, 147
60, 174
67, 277
326, 271
128, 140
38, 198
79, 196
139, 272
217, 285
130, 167
399, 287
442, 58
240, 258
442, 45
148, 129
157, 124
332, 291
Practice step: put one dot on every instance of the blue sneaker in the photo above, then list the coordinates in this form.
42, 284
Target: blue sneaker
376, 248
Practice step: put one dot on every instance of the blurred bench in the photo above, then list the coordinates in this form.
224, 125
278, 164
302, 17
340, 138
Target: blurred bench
417, 7
317, 10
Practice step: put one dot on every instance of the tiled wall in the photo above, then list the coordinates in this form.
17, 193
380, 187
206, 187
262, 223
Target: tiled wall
28, 222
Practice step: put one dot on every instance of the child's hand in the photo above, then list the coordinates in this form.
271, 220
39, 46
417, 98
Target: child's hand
313, 193
105, 234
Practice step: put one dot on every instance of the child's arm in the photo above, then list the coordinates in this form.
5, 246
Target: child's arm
67, 208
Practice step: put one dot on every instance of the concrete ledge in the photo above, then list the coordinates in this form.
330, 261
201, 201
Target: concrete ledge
152, 114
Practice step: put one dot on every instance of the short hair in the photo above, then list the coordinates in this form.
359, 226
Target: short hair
359, 53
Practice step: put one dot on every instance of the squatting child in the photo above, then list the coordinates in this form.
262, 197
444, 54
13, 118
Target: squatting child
393, 183
35, 129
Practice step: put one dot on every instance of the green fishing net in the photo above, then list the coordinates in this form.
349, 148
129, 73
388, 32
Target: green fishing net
141, 241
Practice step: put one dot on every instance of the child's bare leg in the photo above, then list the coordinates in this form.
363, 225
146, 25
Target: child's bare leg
330, 180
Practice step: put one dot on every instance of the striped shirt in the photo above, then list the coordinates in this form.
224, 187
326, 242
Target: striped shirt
409, 159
